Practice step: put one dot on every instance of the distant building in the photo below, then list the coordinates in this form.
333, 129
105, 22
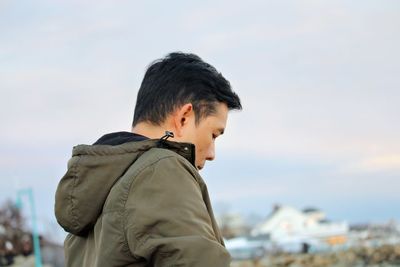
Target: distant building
286, 224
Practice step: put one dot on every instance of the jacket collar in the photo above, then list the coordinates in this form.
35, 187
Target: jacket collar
186, 150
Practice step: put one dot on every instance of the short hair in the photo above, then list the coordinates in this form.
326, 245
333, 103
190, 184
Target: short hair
178, 79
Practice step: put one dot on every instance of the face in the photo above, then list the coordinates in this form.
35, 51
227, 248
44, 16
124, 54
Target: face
204, 134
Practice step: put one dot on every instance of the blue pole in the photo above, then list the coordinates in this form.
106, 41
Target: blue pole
35, 234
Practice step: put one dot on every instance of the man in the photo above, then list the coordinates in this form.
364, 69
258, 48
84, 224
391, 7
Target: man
136, 198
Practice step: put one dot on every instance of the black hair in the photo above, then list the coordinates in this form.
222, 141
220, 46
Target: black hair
178, 79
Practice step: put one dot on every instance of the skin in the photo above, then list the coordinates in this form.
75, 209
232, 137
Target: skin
183, 124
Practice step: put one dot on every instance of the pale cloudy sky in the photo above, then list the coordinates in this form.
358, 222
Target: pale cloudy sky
319, 81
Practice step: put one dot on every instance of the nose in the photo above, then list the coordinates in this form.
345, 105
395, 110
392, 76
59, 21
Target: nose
211, 153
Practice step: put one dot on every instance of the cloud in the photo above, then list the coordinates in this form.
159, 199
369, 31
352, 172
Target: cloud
378, 164
308, 87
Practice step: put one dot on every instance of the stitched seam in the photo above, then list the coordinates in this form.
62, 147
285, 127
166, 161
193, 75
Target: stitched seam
75, 179
91, 154
125, 198
107, 150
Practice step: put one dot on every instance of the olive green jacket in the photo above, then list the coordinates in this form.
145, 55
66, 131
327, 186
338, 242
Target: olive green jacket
137, 204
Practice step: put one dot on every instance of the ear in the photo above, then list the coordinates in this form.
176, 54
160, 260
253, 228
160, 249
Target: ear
182, 118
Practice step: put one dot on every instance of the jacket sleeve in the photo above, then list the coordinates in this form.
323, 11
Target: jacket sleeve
167, 222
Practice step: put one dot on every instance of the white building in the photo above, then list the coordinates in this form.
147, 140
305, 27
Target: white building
286, 224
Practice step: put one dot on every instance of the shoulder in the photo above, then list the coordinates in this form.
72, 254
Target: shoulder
166, 160
163, 176
156, 168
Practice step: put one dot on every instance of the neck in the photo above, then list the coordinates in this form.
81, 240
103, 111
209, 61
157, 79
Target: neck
151, 131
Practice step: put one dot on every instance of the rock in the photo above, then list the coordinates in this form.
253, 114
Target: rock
384, 256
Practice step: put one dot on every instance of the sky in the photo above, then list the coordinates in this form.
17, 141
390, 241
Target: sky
319, 83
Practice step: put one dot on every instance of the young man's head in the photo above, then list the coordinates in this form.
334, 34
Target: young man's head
183, 94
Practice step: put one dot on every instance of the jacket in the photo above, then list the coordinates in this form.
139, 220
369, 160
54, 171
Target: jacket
137, 204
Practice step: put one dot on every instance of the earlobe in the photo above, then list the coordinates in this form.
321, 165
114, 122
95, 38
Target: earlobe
180, 126
181, 118
178, 123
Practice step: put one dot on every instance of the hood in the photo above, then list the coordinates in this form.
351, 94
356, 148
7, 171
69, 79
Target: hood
92, 172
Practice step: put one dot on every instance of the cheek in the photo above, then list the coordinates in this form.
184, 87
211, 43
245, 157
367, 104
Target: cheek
203, 142
206, 144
